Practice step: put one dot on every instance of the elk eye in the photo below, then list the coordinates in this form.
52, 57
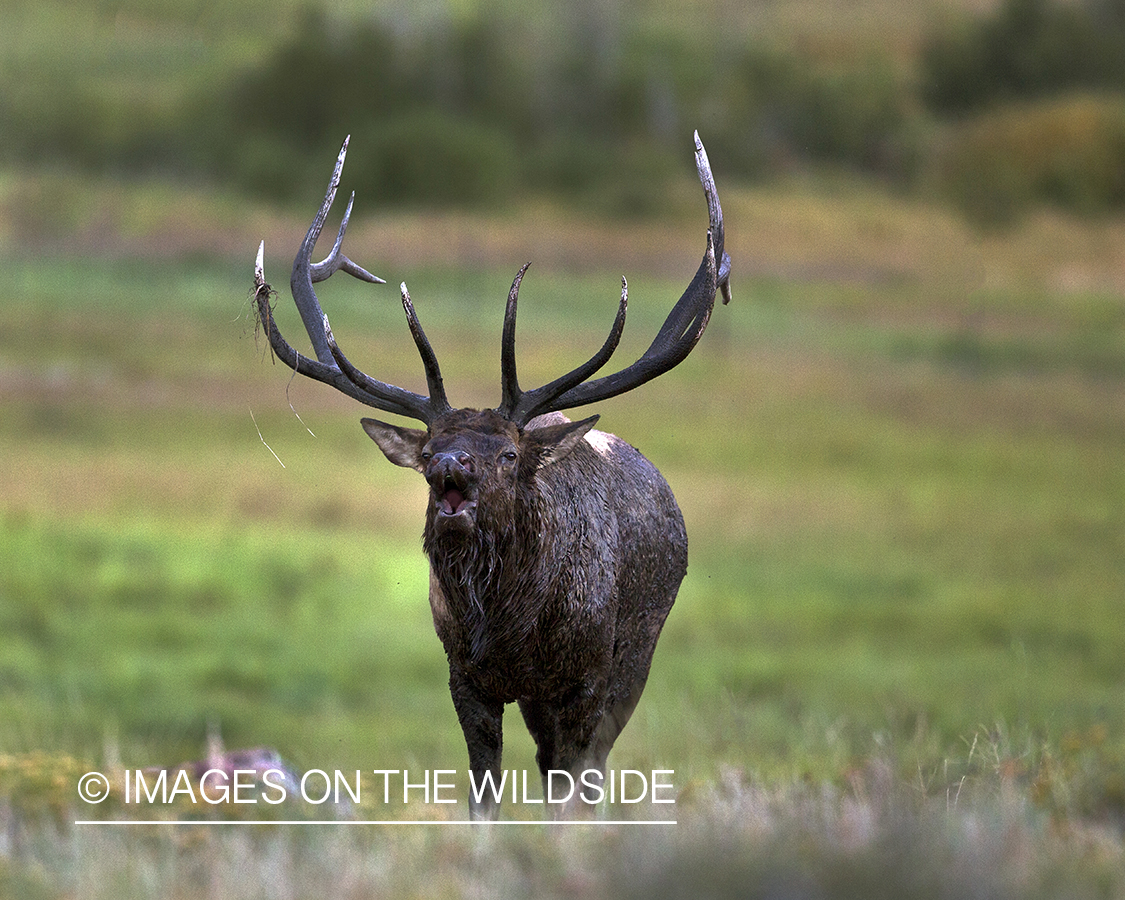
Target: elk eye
427, 455
510, 455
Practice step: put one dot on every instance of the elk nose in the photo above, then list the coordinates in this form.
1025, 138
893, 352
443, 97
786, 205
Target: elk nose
456, 464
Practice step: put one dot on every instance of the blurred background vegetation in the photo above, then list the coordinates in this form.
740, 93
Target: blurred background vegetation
995, 106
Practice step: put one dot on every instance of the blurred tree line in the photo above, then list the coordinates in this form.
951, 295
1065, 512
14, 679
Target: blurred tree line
468, 111
1033, 99
1022, 105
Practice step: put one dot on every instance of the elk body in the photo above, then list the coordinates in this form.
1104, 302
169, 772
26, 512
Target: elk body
556, 551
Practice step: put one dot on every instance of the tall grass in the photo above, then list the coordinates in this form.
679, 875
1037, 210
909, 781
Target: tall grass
739, 837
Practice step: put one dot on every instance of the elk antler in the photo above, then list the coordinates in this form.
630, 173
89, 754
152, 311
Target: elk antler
330, 365
675, 340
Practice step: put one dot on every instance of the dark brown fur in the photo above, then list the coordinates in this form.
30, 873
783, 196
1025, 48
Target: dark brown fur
553, 595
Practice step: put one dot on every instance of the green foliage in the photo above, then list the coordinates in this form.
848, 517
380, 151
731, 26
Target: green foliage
785, 108
1068, 152
1035, 91
1026, 49
460, 113
1083, 777
433, 158
467, 100
470, 104
457, 108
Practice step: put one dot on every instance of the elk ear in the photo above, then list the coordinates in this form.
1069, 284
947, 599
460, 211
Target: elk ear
402, 446
553, 442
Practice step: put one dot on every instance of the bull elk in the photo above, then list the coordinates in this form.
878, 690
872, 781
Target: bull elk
555, 550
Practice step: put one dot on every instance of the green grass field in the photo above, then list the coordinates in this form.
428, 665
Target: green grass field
895, 668
896, 661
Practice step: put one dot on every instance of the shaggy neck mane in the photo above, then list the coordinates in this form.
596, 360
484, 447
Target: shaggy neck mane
483, 573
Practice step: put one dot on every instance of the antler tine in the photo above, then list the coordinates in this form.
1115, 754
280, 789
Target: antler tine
520, 406
687, 316
378, 394
298, 362
434, 382
509, 382
331, 366
675, 340
336, 260
306, 272
714, 216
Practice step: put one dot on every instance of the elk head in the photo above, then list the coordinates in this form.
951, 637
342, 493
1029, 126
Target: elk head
475, 461
459, 447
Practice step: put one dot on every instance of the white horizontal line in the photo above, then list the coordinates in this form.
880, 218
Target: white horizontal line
600, 822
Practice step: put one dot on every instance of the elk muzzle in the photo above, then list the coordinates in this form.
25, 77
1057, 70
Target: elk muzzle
453, 480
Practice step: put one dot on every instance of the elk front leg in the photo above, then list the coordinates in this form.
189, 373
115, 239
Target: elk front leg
482, 721
563, 733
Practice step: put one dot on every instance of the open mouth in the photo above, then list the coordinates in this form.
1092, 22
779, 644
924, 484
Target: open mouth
453, 501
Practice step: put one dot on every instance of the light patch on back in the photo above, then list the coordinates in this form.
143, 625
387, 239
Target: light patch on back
600, 441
